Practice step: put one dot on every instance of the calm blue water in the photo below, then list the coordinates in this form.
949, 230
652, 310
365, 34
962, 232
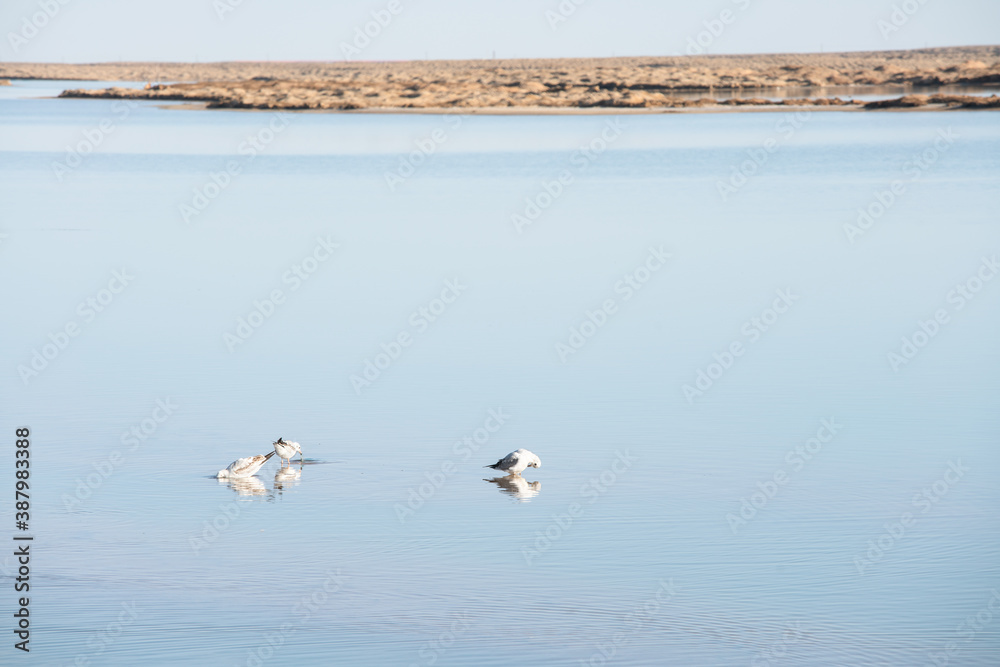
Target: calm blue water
744, 463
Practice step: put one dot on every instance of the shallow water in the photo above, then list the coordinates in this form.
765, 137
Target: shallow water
387, 546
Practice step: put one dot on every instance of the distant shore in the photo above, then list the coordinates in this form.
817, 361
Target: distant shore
605, 85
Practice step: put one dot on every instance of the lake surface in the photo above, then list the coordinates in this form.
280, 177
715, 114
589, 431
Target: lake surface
768, 423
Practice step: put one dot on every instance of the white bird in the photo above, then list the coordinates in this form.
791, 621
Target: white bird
287, 449
517, 461
245, 467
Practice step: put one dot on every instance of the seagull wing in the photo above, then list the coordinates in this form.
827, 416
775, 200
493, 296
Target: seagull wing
242, 466
249, 465
506, 462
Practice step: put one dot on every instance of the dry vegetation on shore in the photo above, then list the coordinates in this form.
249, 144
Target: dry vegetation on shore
557, 84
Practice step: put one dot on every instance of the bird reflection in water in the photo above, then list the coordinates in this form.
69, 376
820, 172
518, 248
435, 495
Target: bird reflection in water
245, 486
517, 486
253, 488
286, 478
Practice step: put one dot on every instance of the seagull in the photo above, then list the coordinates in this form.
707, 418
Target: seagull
245, 467
286, 450
517, 461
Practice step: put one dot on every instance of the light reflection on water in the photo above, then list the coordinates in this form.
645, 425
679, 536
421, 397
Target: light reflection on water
375, 552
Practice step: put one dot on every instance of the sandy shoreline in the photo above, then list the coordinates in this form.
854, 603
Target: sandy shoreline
895, 104
554, 85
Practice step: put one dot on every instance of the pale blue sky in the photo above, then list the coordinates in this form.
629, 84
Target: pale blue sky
186, 30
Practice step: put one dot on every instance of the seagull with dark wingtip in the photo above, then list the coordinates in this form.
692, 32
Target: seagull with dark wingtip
517, 461
245, 467
286, 449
